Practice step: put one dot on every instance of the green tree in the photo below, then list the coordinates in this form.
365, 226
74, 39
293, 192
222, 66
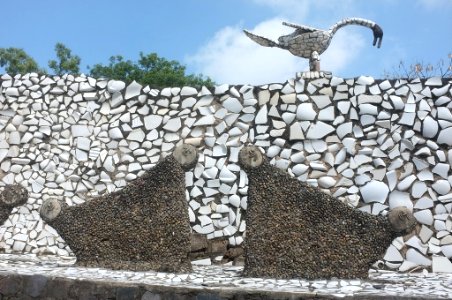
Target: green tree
66, 62
17, 61
151, 70
117, 68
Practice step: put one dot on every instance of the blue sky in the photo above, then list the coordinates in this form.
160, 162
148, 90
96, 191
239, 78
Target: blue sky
206, 36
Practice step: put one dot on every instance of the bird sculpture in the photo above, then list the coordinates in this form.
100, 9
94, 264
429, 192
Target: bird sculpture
309, 42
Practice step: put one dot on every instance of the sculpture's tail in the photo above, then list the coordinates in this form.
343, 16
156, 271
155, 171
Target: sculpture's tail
11, 196
261, 40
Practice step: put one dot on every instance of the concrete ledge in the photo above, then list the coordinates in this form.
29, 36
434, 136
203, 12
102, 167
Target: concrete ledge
26, 277
15, 286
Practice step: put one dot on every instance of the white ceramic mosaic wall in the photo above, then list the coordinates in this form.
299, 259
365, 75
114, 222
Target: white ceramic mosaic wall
373, 144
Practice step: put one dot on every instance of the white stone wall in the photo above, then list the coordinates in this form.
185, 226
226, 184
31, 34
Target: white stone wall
375, 145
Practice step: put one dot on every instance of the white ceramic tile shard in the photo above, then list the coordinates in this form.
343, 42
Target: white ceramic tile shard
418, 189
407, 118
233, 105
299, 169
444, 113
188, 91
14, 138
205, 120
434, 81
425, 234
306, 112
406, 182
441, 264
442, 169
136, 135
326, 182
416, 257
447, 250
173, 125
442, 186
289, 98
152, 121
262, 115
440, 91
296, 132
133, 90
424, 216
393, 255
319, 130
430, 127
445, 136
424, 202
321, 101
365, 80
116, 100
227, 176
83, 143
425, 175
114, 86
400, 199
374, 191
81, 130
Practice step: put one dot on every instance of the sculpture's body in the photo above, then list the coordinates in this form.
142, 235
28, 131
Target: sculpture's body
294, 230
309, 42
144, 226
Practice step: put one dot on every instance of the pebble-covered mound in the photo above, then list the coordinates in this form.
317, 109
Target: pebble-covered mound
145, 226
296, 231
11, 196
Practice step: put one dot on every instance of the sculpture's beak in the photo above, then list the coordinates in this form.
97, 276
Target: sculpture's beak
378, 35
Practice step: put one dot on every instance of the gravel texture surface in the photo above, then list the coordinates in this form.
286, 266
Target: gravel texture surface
144, 226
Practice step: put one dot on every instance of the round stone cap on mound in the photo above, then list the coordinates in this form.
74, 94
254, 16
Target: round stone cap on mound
250, 157
13, 195
186, 155
402, 219
50, 209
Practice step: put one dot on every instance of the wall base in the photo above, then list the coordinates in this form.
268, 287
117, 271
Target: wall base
24, 277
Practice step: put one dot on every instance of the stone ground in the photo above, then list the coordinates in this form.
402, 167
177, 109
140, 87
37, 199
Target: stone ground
32, 277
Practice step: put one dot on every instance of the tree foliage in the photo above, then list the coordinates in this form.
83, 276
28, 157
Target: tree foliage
17, 61
150, 69
118, 69
443, 68
66, 62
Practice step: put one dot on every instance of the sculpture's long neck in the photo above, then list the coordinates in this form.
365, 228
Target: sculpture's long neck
351, 21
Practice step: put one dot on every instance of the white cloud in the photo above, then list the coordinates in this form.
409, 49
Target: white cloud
435, 4
231, 57
344, 50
